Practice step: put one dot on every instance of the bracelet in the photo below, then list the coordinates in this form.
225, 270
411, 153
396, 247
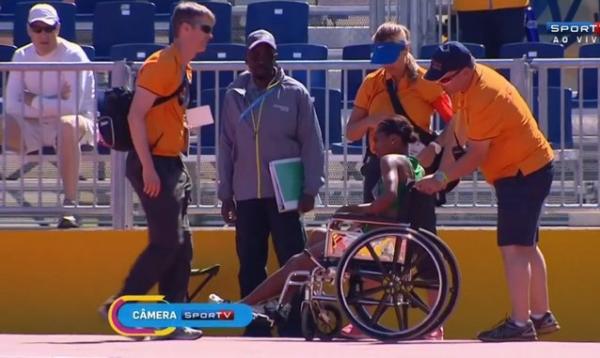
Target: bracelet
441, 177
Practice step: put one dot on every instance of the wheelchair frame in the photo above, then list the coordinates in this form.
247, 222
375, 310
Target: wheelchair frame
397, 271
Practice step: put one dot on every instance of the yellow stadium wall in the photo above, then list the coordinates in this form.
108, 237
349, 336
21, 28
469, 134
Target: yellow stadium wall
53, 281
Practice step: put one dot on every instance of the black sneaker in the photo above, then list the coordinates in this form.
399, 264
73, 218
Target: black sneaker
546, 324
508, 331
68, 222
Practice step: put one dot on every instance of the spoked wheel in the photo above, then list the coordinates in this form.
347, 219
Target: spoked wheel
453, 278
392, 283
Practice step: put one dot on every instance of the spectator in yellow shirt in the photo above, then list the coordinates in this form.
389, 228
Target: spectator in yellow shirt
501, 137
491, 22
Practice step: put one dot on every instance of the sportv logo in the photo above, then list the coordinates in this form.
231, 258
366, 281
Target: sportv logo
568, 32
151, 315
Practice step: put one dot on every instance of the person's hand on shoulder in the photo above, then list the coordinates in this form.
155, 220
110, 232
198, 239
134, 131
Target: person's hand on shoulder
432, 184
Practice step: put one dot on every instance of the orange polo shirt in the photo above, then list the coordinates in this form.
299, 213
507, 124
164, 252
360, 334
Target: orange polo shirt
480, 5
162, 74
492, 109
417, 97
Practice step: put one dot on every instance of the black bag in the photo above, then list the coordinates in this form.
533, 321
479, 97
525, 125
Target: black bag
425, 138
113, 125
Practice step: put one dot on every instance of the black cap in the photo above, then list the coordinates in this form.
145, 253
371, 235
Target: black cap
451, 56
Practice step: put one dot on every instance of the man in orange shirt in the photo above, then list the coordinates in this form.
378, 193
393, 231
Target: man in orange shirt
155, 168
503, 139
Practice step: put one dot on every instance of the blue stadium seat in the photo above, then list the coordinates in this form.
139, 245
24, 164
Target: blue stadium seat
286, 20
335, 113
219, 52
589, 88
90, 52
6, 54
164, 6
534, 50
553, 110
304, 52
66, 13
355, 77
87, 6
222, 11
133, 52
207, 133
8, 6
117, 22
477, 50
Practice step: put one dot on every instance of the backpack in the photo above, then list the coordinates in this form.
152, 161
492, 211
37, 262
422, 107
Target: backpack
113, 125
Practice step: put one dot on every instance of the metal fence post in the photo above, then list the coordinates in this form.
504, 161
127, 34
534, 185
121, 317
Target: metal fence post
376, 14
121, 193
518, 76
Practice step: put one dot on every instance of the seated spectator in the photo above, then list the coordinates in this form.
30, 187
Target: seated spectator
504, 23
51, 108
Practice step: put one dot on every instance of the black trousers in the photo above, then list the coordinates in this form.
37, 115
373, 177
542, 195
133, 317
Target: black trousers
501, 26
256, 219
167, 258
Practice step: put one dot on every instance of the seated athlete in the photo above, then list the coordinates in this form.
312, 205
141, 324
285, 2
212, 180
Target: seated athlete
392, 137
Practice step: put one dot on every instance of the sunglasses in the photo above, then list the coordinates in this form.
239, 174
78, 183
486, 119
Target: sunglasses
207, 29
447, 79
40, 29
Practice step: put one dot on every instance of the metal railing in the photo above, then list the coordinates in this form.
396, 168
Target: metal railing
574, 190
30, 183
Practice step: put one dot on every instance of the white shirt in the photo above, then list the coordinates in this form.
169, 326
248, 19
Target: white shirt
47, 85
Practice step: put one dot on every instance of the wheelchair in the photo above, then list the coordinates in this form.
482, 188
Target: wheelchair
391, 281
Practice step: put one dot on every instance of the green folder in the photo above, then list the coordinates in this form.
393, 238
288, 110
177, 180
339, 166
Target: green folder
288, 180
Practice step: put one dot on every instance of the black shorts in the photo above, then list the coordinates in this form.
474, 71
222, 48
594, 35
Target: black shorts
520, 202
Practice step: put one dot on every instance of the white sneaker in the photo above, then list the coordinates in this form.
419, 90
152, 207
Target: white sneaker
213, 298
180, 334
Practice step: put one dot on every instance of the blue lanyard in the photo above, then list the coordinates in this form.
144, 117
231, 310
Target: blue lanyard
259, 100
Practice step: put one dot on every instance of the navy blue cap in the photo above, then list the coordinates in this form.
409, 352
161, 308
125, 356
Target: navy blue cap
451, 56
385, 53
260, 36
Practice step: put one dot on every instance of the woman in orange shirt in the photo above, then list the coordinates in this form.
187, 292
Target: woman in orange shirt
418, 97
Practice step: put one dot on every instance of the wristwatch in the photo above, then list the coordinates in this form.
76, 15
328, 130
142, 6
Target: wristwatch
436, 147
441, 177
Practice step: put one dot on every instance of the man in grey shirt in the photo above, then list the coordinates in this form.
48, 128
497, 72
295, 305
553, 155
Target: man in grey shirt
266, 116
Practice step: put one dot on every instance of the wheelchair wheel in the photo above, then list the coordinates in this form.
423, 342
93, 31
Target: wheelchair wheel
453, 278
392, 283
328, 321
307, 322
323, 321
